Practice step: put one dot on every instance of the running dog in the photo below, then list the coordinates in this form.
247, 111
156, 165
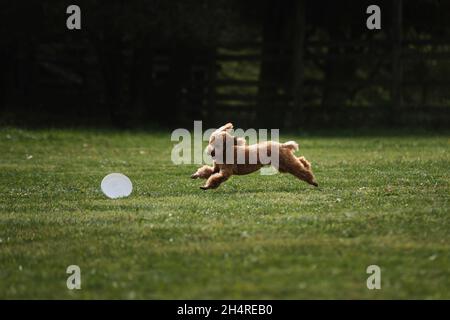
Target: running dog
231, 155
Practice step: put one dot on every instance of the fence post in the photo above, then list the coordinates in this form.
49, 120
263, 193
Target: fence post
397, 68
297, 62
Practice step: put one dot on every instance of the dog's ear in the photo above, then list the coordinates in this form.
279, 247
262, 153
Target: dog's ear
222, 144
239, 141
228, 126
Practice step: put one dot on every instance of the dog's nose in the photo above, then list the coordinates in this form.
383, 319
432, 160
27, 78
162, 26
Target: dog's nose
213, 153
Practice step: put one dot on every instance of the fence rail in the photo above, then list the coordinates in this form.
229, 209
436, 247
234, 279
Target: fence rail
393, 82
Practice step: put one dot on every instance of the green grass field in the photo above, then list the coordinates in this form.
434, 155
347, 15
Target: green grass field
383, 200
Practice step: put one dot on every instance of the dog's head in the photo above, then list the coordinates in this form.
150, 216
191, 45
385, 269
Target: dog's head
220, 141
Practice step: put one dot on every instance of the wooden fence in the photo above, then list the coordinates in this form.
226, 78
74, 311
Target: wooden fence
343, 83
243, 97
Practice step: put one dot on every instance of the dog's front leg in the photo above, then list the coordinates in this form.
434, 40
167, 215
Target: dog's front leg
216, 179
205, 172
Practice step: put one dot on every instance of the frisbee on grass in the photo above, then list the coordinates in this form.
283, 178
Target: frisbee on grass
116, 185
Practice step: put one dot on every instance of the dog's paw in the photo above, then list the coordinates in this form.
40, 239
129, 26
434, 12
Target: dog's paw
194, 176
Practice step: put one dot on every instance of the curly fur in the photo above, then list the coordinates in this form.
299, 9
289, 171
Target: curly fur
222, 170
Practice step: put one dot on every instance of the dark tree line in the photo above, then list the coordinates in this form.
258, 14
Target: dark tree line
141, 62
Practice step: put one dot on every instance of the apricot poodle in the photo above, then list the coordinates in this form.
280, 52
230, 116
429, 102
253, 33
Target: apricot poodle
231, 155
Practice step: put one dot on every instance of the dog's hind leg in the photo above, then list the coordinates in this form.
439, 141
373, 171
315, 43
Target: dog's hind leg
300, 168
305, 162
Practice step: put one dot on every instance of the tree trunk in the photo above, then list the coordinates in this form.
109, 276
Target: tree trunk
268, 115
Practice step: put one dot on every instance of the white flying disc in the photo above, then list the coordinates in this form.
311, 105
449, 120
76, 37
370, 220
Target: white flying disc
116, 185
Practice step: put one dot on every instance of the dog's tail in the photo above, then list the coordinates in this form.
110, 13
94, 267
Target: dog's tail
290, 145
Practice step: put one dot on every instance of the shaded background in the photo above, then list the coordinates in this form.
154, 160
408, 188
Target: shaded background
267, 63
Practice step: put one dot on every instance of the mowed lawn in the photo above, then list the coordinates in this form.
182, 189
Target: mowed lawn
383, 200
